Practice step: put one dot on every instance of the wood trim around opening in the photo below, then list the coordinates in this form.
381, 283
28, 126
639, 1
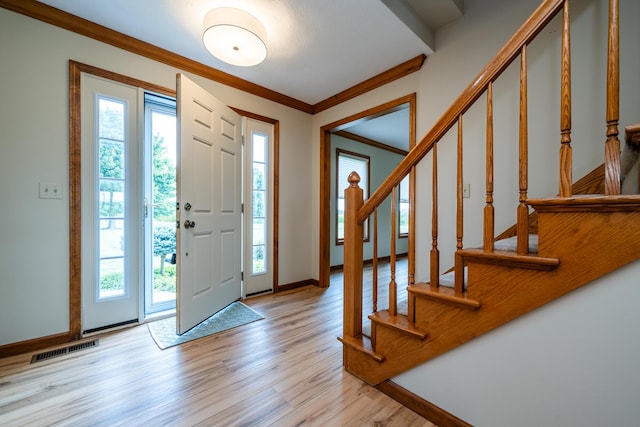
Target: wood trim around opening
75, 212
324, 270
397, 72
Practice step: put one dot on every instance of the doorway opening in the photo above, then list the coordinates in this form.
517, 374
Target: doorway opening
160, 276
327, 194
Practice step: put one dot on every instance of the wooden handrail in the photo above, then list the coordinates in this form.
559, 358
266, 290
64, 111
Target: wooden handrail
505, 56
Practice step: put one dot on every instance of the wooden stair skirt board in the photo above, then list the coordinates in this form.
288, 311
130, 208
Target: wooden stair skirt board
588, 237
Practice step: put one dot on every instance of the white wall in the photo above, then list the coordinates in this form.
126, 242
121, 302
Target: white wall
573, 362
382, 163
34, 285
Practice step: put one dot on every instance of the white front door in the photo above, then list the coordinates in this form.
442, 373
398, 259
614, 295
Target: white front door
209, 199
110, 214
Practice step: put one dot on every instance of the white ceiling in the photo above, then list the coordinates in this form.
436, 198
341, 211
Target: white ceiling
316, 48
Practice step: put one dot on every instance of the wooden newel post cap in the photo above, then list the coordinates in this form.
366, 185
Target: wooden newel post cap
353, 179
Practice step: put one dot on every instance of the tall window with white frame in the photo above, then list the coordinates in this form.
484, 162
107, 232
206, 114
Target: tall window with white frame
347, 162
259, 199
112, 198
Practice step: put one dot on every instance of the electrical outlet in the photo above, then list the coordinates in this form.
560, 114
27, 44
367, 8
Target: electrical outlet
50, 190
466, 191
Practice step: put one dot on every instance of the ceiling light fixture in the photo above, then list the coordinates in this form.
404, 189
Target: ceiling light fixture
234, 36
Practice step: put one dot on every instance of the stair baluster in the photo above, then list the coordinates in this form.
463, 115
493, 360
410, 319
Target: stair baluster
523, 209
459, 265
374, 278
393, 287
612, 145
565, 107
435, 253
489, 214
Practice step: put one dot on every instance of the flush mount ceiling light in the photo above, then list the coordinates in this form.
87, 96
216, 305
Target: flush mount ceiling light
234, 36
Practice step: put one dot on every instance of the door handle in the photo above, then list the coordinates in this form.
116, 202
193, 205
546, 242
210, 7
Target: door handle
189, 224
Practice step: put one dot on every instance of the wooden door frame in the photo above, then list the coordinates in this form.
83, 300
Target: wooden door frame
75, 212
325, 177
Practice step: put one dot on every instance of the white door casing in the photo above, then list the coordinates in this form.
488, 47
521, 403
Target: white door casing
209, 196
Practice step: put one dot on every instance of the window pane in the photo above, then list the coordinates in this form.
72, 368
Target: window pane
259, 148
111, 159
259, 261
111, 278
259, 200
112, 239
404, 218
347, 163
111, 198
258, 177
111, 119
340, 219
259, 231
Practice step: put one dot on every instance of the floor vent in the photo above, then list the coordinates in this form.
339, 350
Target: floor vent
62, 351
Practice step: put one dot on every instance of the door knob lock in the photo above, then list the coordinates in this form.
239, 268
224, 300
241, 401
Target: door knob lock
189, 224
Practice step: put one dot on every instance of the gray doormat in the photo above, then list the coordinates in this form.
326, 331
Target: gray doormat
234, 315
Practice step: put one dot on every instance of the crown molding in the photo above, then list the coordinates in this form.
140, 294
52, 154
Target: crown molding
73, 23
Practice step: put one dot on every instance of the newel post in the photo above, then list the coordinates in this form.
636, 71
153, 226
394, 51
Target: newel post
353, 233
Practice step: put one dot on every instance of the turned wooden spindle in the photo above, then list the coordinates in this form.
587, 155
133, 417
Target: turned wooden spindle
523, 209
374, 279
393, 287
565, 107
612, 144
489, 214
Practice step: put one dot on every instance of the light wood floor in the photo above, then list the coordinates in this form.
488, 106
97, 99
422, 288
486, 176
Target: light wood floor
285, 370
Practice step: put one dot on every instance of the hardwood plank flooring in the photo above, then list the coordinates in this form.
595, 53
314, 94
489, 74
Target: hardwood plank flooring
285, 370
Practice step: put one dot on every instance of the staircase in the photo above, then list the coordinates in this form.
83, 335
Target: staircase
557, 245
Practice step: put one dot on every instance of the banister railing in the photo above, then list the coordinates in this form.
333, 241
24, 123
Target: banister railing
357, 210
505, 56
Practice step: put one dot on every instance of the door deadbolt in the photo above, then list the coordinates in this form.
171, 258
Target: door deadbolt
187, 206
189, 224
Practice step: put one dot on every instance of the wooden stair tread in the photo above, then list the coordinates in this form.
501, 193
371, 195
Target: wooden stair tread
510, 259
399, 322
444, 295
588, 203
363, 345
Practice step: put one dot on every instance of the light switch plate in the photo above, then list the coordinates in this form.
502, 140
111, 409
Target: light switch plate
50, 190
